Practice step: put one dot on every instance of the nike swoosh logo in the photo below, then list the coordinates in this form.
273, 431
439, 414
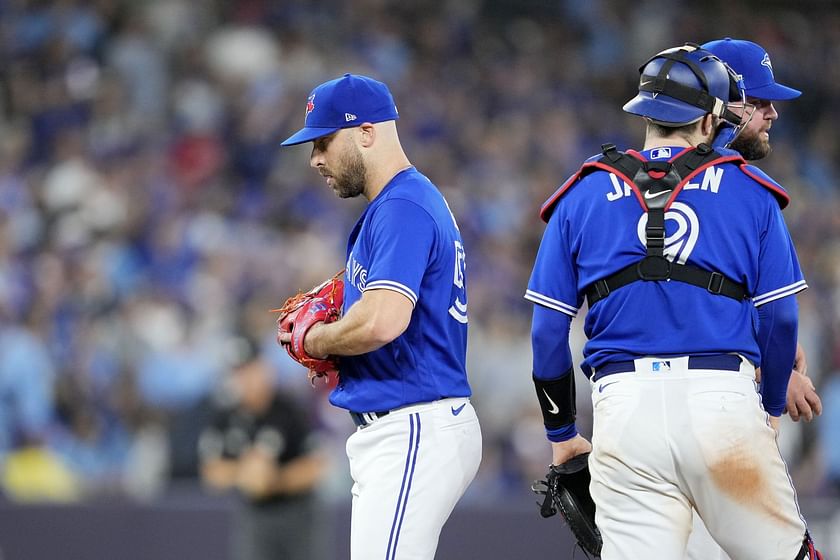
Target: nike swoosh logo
554, 408
605, 385
646, 82
457, 411
649, 195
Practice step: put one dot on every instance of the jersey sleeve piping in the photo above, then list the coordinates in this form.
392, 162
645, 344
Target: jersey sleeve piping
779, 293
394, 287
551, 303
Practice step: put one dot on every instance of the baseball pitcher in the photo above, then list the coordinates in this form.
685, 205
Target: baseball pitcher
396, 330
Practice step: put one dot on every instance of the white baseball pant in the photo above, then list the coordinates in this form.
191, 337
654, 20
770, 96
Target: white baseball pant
701, 545
409, 469
667, 439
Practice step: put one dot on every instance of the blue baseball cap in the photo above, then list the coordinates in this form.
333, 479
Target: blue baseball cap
345, 102
753, 63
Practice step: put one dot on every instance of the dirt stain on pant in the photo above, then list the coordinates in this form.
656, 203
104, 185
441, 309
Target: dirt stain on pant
739, 475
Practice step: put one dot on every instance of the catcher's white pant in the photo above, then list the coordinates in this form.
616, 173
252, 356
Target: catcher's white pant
668, 440
701, 545
409, 469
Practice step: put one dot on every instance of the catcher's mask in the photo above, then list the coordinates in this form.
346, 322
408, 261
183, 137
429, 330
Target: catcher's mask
680, 85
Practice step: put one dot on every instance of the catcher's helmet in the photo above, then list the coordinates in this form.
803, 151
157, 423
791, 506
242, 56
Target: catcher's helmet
680, 85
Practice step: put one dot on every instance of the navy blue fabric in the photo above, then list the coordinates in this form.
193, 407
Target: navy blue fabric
725, 362
360, 420
552, 357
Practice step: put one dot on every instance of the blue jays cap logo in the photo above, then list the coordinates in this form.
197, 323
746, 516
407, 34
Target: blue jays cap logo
766, 62
310, 105
344, 102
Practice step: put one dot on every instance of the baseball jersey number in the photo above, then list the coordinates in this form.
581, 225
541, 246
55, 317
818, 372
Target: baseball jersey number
680, 244
458, 310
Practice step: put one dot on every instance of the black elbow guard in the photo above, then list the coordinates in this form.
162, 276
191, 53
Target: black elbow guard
557, 400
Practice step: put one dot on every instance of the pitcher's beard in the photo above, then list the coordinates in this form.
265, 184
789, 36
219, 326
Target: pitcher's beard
351, 182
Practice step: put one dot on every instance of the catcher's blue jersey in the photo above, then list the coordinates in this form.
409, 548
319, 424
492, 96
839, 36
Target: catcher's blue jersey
408, 241
722, 220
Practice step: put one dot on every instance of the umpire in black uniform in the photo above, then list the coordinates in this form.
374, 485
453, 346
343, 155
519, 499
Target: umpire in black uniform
260, 445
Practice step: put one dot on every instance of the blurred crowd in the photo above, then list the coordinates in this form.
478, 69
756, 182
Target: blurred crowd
147, 217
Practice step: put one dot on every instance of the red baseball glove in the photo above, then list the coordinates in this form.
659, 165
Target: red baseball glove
320, 304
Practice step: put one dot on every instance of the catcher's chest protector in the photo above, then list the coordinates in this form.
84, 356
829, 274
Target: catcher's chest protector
656, 184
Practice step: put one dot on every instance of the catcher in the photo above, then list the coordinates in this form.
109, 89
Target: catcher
689, 272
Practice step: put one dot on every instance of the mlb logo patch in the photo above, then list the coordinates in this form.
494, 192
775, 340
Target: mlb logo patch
660, 366
660, 153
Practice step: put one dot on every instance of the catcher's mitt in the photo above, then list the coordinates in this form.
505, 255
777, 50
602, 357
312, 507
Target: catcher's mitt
320, 304
566, 488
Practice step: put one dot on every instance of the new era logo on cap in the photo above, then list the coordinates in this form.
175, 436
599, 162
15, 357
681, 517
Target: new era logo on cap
348, 101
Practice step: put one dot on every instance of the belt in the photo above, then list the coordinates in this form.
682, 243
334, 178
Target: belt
725, 362
363, 419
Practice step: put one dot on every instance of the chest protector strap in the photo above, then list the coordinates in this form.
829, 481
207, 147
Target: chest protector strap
656, 185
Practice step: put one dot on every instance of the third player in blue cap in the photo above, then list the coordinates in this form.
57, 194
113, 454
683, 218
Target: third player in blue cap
753, 63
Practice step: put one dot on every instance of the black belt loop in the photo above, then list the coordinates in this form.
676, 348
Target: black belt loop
364, 419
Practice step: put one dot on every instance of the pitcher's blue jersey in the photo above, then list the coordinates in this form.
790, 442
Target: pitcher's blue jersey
721, 220
408, 241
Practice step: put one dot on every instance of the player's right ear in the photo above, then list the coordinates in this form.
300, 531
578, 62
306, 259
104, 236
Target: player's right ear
367, 134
